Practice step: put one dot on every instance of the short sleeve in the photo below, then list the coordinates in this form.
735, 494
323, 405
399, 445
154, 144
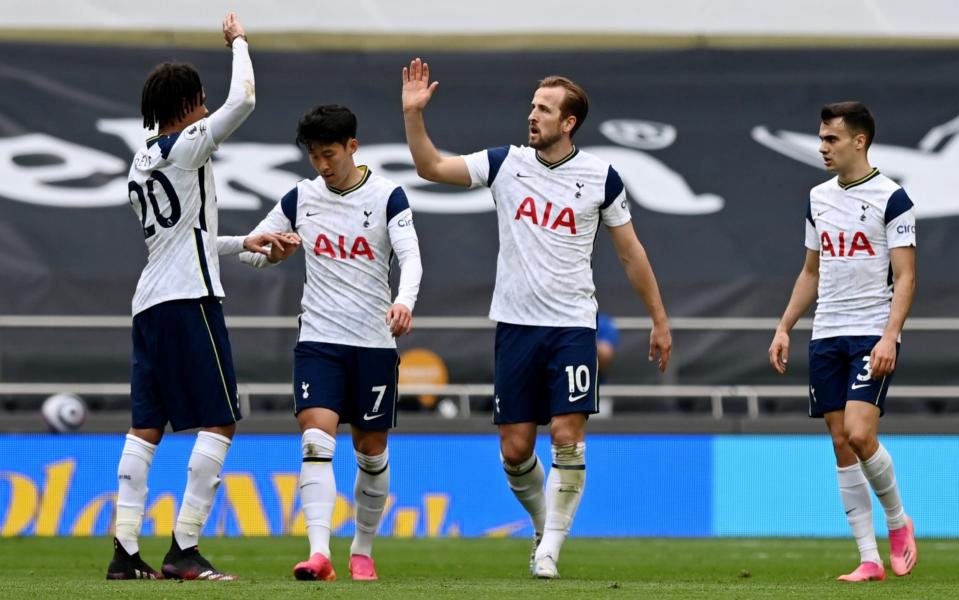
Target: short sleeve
812, 236
615, 208
484, 165
900, 220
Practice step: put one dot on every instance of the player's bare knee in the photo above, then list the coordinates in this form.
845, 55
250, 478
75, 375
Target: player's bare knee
515, 450
863, 442
227, 431
370, 443
568, 430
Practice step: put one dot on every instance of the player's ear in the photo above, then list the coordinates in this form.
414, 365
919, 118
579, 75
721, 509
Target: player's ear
569, 123
353, 145
860, 141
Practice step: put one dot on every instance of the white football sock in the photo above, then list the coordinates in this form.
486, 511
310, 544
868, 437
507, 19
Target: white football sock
526, 480
203, 479
318, 488
882, 477
854, 491
564, 488
370, 492
135, 461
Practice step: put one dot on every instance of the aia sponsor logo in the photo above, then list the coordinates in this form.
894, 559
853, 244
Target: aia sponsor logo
359, 248
551, 217
842, 246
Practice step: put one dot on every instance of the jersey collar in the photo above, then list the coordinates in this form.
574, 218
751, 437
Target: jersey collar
364, 179
560, 162
872, 175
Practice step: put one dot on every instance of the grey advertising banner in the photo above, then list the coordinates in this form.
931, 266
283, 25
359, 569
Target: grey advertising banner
717, 149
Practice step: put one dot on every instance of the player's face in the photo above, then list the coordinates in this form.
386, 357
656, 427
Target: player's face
546, 123
334, 162
839, 146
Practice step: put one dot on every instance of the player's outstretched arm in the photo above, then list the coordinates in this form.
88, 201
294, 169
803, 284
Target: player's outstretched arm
641, 277
242, 97
882, 359
430, 164
803, 294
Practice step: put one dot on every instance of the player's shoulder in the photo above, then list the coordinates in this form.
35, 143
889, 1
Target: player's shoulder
591, 161
380, 185
829, 186
883, 185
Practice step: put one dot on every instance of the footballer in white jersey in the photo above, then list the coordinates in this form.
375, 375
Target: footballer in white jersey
182, 371
352, 222
550, 200
860, 265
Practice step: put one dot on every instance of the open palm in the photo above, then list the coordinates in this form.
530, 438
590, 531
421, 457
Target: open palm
417, 89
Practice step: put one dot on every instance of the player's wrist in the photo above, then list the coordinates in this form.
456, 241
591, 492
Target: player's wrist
239, 36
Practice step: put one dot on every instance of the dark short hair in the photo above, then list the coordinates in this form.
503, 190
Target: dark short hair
171, 91
855, 115
326, 124
575, 104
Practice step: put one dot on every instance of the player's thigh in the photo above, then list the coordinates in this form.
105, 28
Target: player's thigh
320, 373
520, 390
196, 377
828, 374
572, 371
373, 389
860, 386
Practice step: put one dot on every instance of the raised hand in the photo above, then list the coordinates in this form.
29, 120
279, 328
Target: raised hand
232, 29
417, 89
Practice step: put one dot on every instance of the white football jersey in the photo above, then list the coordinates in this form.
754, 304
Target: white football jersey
853, 227
172, 192
549, 216
348, 238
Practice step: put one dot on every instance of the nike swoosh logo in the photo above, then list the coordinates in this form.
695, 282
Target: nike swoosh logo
573, 398
312, 214
369, 417
523, 176
856, 386
365, 493
850, 510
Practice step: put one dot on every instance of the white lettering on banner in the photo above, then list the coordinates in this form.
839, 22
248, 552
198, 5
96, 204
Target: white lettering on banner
926, 173
63, 161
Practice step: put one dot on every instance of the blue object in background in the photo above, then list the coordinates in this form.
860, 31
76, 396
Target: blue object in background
453, 485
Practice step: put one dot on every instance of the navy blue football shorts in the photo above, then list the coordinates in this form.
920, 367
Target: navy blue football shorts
359, 384
542, 372
182, 371
839, 372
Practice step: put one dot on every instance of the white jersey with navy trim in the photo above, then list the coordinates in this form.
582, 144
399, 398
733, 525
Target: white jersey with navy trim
549, 216
853, 227
348, 240
171, 189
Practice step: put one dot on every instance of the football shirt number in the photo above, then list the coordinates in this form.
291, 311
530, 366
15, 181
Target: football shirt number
165, 221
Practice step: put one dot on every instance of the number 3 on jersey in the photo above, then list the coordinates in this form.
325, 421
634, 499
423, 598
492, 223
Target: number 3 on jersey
165, 221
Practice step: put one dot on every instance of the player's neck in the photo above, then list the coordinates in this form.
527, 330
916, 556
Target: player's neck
855, 173
556, 152
355, 176
177, 126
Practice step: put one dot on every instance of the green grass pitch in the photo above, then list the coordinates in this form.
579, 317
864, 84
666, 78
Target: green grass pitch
486, 568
